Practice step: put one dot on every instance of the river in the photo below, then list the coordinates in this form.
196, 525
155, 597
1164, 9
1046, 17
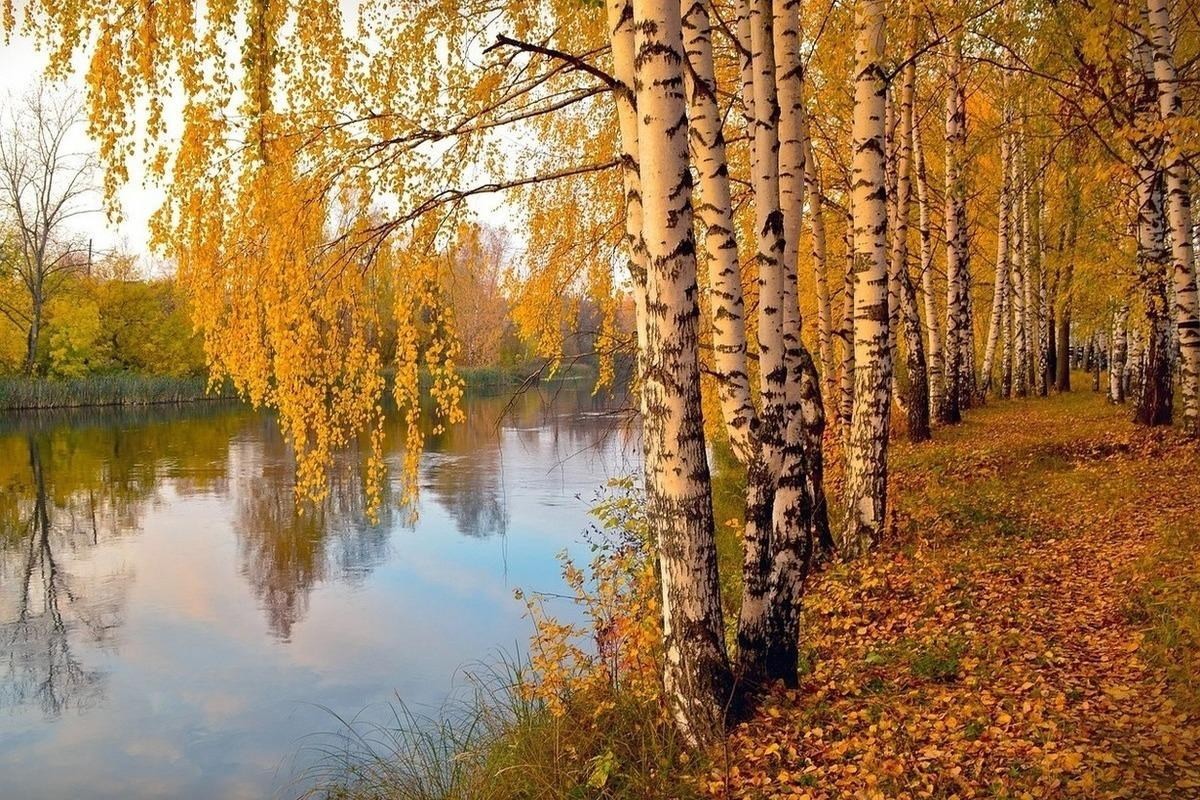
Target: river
171, 626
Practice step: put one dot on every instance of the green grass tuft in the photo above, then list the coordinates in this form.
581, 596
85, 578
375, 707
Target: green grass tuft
498, 744
105, 390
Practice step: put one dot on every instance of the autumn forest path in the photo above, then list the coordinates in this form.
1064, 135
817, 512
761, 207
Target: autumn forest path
1029, 631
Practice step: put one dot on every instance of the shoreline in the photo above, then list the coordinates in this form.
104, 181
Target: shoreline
20, 395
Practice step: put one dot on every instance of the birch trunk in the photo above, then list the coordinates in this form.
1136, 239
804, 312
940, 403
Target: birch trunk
620, 24
800, 516
1065, 292
1134, 364
1154, 400
715, 211
754, 614
793, 419
917, 405
1020, 343
1008, 346
950, 410
1154, 396
846, 406
1000, 287
866, 480
811, 512
970, 384
1028, 244
1044, 328
816, 215
696, 677
1179, 215
891, 151
932, 330
1116, 360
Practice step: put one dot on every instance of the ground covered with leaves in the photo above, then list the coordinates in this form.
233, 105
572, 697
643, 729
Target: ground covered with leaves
1030, 630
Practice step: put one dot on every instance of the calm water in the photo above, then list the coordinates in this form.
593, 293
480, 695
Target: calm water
170, 626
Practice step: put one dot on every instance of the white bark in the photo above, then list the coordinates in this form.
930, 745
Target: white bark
1028, 246
816, 213
956, 263
696, 675
715, 211
917, 400
1179, 215
934, 355
846, 394
1044, 329
1154, 396
1020, 343
1000, 287
620, 23
1117, 356
799, 511
866, 480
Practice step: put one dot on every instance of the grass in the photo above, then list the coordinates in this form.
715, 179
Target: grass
104, 390
939, 662
1166, 605
119, 389
495, 379
499, 744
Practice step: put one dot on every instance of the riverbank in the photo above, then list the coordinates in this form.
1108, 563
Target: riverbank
27, 394
493, 380
31, 394
1030, 629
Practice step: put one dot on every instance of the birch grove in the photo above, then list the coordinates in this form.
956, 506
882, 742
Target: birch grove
849, 194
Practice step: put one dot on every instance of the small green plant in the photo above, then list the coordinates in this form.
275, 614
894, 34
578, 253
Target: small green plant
938, 662
974, 729
875, 658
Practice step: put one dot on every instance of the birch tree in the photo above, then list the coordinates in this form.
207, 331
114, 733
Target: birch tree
1153, 404
1020, 347
956, 255
1117, 355
997, 325
820, 258
1179, 213
846, 334
917, 401
866, 482
933, 334
678, 490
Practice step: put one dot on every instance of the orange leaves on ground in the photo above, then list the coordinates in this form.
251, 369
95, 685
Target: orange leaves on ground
991, 649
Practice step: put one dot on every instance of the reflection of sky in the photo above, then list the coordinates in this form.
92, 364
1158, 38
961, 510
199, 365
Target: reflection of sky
201, 699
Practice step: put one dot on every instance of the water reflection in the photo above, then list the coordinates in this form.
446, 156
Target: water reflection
287, 549
48, 607
150, 558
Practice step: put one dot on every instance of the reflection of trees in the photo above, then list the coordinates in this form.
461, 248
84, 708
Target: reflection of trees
70, 481
47, 608
465, 470
288, 549
471, 489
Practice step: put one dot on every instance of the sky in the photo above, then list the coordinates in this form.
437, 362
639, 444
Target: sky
23, 67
